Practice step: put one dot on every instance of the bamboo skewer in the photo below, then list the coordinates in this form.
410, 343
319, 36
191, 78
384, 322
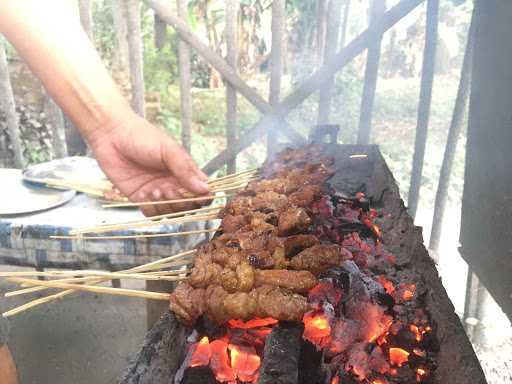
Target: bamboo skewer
164, 275
18, 292
115, 226
94, 288
138, 236
157, 264
173, 201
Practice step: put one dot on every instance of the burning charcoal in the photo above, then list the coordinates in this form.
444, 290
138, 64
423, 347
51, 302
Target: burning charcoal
358, 361
281, 355
378, 362
310, 365
345, 333
198, 375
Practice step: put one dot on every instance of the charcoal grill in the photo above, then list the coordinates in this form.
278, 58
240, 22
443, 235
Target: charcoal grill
287, 358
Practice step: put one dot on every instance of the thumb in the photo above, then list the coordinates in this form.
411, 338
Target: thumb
179, 162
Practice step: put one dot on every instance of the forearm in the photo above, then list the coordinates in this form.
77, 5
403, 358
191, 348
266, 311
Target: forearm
48, 35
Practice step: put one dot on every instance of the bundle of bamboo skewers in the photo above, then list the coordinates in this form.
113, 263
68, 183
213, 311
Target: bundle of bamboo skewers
173, 268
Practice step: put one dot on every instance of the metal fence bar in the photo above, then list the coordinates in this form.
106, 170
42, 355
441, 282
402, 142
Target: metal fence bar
331, 46
315, 81
276, 65
135, 58
185, 83
427, 83
231, 36
378, 8
9, 106
459, 111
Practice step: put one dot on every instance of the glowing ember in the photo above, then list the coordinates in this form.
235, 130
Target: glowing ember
335, 380
398, 356
325, 291
420, 374
219, 362
254, 323
245, 362
388, 285
202, 353
414, 329
380, 381
317, 329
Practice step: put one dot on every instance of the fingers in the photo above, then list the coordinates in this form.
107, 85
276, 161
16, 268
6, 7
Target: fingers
185, 169
161, 189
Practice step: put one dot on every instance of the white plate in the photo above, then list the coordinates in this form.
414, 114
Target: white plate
17, 198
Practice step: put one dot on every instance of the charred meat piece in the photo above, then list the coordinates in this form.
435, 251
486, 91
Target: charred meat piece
265, 301
305, 196
320, 257
297, 243
187, 303
295, 281
240, 280
204, 274
232, 223
293, 221
269, 201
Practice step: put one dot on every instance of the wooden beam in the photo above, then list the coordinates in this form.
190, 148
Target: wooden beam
8, 105
378, 8
185, 82
316, 80
231, 37
160, 32
330, 49
459, 111
276, 65
121, 53
84, 7
427, 83
57, 126
136, 55
344, 30
230, 75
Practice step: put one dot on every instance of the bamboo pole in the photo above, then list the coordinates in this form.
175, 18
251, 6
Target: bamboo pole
231, 37
316, 80
185, 83
121, 54
276, 67
459, 111
136, 55
8, 105
378, 8
331, 46
427, 83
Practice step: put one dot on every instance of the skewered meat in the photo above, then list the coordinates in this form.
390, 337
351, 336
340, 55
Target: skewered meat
295, 244
263, 259
320, 257
187, 303
292, 221
295, 281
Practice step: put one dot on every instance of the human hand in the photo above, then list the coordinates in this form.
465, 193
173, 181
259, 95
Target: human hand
146, 164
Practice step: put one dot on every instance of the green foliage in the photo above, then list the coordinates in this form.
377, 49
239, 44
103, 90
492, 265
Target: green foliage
104, 36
